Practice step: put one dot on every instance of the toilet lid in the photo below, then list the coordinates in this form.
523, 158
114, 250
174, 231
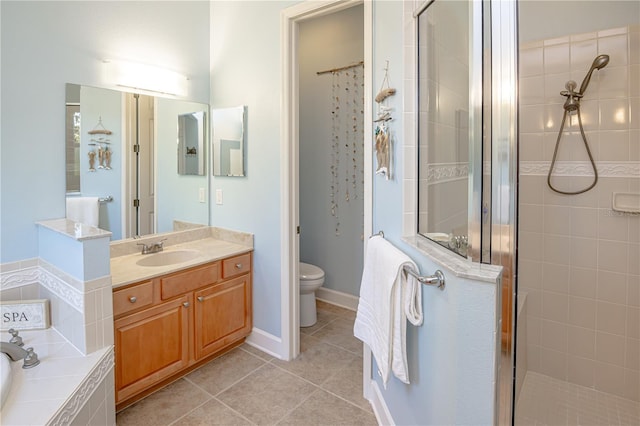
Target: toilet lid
310, 272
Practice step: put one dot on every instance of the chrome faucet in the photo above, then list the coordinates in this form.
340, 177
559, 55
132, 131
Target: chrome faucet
16, 353
153, 247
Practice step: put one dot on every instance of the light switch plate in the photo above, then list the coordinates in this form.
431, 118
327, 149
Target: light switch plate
219, 196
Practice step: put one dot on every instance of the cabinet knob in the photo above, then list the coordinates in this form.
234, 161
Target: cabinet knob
133, 299
200, 299
185, 304
238, 265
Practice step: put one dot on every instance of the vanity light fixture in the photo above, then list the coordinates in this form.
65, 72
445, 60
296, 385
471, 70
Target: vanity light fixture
145, 77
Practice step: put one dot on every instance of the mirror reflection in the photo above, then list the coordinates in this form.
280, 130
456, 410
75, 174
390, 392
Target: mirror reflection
444, 123
121, 162
191, 131
228, 141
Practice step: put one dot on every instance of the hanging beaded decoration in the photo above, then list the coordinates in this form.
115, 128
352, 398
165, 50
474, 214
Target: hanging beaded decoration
347, 138
335, 148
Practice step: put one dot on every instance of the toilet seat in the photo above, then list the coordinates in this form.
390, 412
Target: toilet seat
310, 272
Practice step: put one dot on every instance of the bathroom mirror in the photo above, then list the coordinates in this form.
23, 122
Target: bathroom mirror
191, 131
137, 182
449, 79
228, 141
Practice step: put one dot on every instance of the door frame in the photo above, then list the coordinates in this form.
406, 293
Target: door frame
290, 19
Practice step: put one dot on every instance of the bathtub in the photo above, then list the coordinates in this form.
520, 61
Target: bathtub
58, 389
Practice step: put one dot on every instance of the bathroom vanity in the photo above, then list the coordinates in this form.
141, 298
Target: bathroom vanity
177, 314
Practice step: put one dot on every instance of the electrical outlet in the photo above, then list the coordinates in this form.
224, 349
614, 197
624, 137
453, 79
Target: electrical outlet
202, 197
219, 196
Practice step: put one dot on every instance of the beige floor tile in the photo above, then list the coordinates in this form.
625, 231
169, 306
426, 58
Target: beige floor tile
340, 333
322, 408
212, 413
336, 310
267, 394
164, 406
222, 372
257, 352
317, 361
324, 318
347, 384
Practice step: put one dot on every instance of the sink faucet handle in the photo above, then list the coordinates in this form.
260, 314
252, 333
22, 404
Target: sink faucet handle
15, 339
31, 359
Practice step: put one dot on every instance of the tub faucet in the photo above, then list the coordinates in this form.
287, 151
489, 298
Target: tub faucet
16, 353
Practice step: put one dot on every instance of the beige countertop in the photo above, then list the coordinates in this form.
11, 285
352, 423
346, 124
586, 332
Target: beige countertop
125, 270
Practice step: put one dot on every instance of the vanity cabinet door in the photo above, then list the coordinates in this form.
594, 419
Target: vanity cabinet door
222, 315
151, 345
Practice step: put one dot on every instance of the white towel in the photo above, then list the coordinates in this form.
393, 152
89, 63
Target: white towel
388, 297
84, 210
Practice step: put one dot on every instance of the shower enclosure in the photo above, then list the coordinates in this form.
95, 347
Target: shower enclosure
578, 286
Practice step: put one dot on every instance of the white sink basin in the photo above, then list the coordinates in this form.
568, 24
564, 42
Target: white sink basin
168, 258
5, 377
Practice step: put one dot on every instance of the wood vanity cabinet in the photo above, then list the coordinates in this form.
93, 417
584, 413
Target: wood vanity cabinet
170, 325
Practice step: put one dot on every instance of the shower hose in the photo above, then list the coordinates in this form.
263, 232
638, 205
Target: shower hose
555, 154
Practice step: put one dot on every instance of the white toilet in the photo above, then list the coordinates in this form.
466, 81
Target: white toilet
311, 278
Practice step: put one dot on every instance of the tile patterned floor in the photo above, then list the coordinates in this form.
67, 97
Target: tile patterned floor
548, 401
323, 386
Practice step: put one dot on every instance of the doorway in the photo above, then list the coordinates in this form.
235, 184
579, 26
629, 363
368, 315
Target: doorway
292, 18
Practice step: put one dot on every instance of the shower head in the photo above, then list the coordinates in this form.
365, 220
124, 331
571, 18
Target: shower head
599, 62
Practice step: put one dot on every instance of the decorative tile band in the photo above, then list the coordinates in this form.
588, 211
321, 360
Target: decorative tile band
38, 274
445, 172
619, 169
73, 406
63, 290
19, 277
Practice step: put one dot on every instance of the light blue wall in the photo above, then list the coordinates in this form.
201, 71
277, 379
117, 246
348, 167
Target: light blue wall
328, 42
450, 356
47, 44
178, 198
245, 70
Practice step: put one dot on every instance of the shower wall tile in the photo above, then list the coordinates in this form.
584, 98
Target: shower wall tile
612, 256
582, 312
607, 349
584, 222
581, 342
612, 287
583, 282
531, 62
613, 82
633, 322
530, 144
615, 47
611, 318
634, 258
557, 58
614, 145
555, 278
580, 371
578, 258
632, 354
633, 290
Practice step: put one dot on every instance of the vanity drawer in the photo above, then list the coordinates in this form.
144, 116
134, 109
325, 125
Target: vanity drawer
132, 298
236, 265
183, 282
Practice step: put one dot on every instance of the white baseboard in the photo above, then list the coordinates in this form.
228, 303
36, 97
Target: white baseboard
266, 342
379, 405
337, 298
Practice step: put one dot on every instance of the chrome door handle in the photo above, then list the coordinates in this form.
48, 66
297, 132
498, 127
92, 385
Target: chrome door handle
185, 304
200, 299
238, 265
133, 299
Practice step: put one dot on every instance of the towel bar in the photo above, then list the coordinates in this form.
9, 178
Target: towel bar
436, 279
105, 199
